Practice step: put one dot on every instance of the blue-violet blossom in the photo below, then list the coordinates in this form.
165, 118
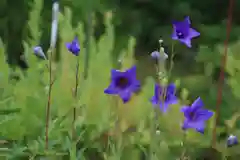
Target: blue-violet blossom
195, 116
157, 56
74, 47
38, 51
164, 96
232, 141
183, 32
123, 83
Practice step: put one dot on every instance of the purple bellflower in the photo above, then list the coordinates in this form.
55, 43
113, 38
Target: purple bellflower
157, 56
163, 98
232, 141
38, 51
195, 116
183, 32
123, 83
74, 47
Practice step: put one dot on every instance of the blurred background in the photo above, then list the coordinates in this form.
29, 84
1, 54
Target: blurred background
148, 21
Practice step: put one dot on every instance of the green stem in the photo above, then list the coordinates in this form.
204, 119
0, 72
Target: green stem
51, 81
75, 111
171, 60
118, 127
153, 127
160, 70
87, 43
184, 147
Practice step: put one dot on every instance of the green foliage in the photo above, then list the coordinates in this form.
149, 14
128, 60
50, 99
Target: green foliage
23, 104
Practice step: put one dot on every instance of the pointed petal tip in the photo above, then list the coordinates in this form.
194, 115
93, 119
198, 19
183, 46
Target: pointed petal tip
107, 91
125, 95
184, 109
110, 89
200, 130
194, 33
198, 103
68, 45
187, 19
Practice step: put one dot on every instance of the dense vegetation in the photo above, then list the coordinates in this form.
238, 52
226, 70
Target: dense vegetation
133, 30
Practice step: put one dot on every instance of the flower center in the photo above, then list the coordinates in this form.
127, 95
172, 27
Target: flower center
164, 96
180, 34
122, 82
192, 115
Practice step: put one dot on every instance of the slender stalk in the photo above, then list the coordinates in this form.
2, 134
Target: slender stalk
153, 127
75, 96
118, 125
221, 80
183, 155
51, 81
171, 60
160, 73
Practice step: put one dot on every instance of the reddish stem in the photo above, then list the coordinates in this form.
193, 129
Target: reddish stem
221, 80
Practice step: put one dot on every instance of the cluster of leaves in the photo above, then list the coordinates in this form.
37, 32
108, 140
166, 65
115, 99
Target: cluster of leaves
22, 105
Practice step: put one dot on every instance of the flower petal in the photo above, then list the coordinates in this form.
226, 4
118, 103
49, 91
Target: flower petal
125, 95
135, 85
38, 51
187, 19
200, 130
75, 40
115, 74
232, 141
197, 104
185, 109
164, 106
155, 55
203, 115
187, 42
198, 126
157, 91
174, 34
154, 100
68, 46
132, 72
74, 47
111, 89
171, 88
193, 33
172, 100
186, 125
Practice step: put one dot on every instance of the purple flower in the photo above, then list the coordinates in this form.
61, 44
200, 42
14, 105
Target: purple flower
157, 56
232, 141
39, 52
183, 32
164, 98
195, 116
74, 47
123, 83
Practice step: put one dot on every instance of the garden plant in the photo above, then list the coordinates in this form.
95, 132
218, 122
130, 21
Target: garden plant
55, 112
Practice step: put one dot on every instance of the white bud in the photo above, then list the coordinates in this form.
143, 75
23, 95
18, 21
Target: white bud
158, 132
